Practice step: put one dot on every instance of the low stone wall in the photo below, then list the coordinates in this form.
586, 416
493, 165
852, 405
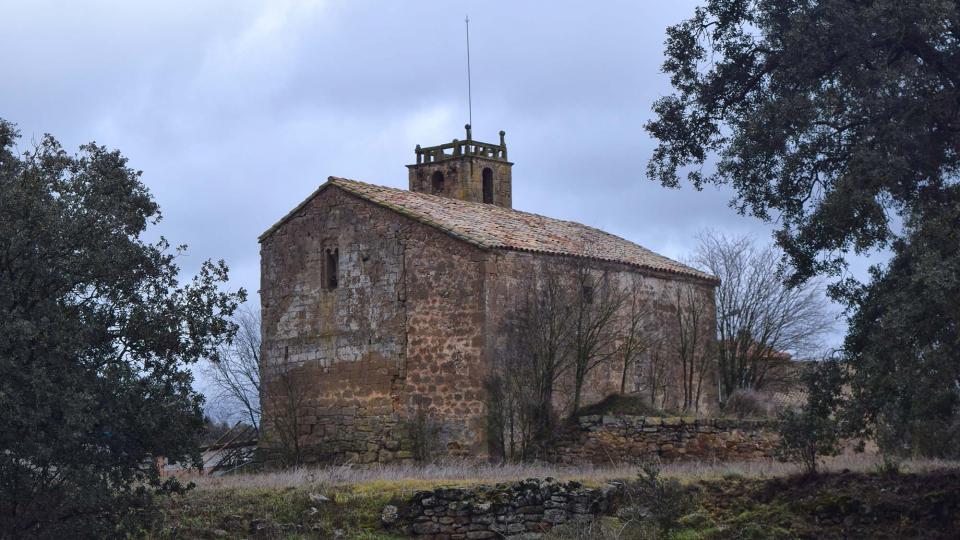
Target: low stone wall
632, 439
522, 510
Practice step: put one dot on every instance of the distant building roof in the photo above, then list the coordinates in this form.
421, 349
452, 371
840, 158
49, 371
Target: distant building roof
493, 227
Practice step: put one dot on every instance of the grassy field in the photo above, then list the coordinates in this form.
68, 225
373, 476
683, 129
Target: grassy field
345, 502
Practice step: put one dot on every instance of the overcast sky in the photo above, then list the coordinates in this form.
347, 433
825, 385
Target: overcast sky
237, 110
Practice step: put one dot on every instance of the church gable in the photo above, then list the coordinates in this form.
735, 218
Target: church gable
369, 314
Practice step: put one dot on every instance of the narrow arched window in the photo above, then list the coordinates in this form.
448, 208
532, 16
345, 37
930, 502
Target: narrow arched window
436, 183
488, 185
332, 264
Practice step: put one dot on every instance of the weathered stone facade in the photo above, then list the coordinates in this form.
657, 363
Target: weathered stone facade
382, 306
510, 274
616, 439
401, 331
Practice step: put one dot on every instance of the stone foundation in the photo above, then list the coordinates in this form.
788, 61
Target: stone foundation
609, 439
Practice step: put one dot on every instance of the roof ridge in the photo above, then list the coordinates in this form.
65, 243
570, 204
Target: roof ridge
485, 206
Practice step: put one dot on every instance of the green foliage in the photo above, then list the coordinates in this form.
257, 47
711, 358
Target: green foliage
839, 120
828, 115
96, 331
813, 430
889, 466
904, 341
353, 513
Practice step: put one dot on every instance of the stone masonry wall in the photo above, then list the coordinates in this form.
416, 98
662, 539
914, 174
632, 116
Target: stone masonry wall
511, 274
400, 334
522, 510
409, 332
463, 179
633, 439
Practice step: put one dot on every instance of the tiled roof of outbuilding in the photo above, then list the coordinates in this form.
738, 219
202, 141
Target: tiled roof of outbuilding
494, 227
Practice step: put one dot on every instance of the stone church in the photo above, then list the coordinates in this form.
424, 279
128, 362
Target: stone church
379, 304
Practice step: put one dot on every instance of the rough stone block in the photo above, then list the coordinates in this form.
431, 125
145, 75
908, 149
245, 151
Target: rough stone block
555, 515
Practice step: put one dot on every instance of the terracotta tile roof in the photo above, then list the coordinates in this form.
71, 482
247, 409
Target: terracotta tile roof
492, 227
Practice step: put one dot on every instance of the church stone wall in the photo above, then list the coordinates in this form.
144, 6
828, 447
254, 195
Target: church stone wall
390, 365
512, 272
398, 336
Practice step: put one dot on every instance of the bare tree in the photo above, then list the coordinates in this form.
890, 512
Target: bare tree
511, 410
691, 343
270, 397
759, 318
528, 366
236, 373
284, 397
655, 375
596, 303
635, 335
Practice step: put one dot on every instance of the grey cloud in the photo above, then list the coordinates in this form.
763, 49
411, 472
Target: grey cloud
237, 110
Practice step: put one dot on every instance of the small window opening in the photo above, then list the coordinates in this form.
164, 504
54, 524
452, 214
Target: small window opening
436, 183
332, 268
488, 185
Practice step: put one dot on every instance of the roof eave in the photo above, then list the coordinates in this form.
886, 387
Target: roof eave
711, 280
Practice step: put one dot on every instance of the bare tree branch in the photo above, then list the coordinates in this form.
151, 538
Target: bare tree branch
761, 321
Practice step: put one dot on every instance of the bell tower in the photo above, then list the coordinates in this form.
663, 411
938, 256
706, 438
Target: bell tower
467, 170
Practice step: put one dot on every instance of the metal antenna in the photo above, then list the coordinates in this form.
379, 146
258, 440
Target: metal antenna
469, 89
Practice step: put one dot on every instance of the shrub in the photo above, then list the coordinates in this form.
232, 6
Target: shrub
812, 430
750, 404
889, 466
660, 501
805, 436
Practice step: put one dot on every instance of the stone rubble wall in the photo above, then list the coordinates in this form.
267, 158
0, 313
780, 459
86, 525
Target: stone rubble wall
607, 439
522, 510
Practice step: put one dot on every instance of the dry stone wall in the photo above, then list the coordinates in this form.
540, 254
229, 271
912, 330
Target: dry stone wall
522, 510
633, 439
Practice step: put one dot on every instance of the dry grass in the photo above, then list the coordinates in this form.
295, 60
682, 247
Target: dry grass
465, 472
286, 502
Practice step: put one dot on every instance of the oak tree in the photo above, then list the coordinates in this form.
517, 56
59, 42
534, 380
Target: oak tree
96, 333
832, 117
839, 120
